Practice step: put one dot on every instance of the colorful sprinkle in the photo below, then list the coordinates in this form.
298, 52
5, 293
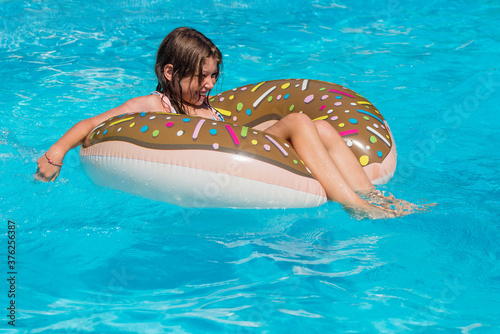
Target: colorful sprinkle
180, 133
340, 92
215, 146
156, 133
275, 143
213, 132
224, 112
373, 139
132, 124
239, 106
286, 96
353, 120
369, 114
349, 132
143, 114
309, 98
152, 117
257, 86
236, 141
144, 128
122, 120
376, 133
186, 120
337, 104
324, 97
364, 160
169, 124
285, 86
254, 142
249, 112
334, 118
291, 107
244, 131
380, 154
197, 129
263, 96
104, 132
267, 147
341, 125
231, 97
304, 84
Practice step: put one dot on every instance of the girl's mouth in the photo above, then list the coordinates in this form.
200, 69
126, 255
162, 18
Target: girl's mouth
202, 96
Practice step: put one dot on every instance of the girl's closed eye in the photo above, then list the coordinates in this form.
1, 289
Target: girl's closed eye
213, 75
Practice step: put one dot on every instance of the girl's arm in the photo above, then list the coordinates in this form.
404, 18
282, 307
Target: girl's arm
48, 170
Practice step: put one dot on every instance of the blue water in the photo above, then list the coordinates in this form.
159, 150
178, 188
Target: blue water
90, 259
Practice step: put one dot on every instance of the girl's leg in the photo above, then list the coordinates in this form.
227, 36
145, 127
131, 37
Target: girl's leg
302, 132
353, 173
343, 158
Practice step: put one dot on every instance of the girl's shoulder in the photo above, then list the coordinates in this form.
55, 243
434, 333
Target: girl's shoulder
144, 103
165, 101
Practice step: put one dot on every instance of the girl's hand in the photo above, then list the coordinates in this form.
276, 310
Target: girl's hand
48, 170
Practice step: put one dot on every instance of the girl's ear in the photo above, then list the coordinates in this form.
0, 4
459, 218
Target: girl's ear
168, 71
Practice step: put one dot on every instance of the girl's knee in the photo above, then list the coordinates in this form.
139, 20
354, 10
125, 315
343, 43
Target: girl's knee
327, 131
297, 116
298, 119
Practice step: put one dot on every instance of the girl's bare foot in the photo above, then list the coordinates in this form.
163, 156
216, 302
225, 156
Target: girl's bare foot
369, 211
388, 202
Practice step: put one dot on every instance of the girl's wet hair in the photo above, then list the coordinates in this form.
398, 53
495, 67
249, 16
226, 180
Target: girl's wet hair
186, 49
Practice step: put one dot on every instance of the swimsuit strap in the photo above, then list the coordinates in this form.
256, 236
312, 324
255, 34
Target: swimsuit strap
165, 101
217, 115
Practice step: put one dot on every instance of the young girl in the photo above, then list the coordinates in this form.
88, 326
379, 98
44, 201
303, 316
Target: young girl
188, 65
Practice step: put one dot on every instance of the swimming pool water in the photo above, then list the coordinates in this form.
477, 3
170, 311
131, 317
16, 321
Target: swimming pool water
90, 259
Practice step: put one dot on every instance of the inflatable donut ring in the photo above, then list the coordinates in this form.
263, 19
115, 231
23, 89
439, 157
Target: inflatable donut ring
197, 162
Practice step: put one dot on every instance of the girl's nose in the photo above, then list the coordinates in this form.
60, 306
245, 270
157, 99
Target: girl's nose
209, 82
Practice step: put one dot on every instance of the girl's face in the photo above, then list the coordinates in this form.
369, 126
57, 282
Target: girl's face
194, 93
